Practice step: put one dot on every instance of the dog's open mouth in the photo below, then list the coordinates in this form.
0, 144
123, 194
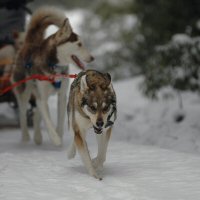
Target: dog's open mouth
97, 130
78, 62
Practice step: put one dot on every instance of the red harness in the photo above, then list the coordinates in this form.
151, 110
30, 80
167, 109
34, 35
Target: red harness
39, 77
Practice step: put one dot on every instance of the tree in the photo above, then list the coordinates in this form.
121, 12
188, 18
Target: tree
161, 57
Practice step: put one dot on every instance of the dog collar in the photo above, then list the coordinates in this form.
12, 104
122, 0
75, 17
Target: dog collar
109, 121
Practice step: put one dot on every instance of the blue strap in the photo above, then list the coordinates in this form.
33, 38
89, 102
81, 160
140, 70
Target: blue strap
57, 84
28, 64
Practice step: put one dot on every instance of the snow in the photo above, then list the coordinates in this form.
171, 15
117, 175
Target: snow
131, 172
129, 22
137, 166
147, 122
108, 47
181, 39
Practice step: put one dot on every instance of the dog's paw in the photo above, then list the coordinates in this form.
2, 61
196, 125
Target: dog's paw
57, 141
71, 151
38, 139
25, 137
98, 176
60, 132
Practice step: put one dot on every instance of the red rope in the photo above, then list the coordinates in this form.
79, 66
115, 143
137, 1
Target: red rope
39, 77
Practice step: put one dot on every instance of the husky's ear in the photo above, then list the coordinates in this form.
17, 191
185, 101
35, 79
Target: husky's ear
108, 79
64, 32
67, 27
83, 84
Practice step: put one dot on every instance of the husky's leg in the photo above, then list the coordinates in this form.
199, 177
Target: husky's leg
71, 152
81, 145
102, 141
36, 123
62, 107
42, 104
22, 100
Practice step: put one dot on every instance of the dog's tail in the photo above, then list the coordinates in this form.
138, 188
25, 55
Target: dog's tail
41, 19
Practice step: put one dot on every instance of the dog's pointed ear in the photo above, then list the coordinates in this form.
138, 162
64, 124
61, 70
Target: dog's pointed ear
66, 27
108, 79
83, 84
64, 31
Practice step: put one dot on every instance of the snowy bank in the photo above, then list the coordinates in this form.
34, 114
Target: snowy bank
147, 122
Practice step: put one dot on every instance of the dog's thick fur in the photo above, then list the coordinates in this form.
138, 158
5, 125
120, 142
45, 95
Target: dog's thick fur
39, 55
92, 103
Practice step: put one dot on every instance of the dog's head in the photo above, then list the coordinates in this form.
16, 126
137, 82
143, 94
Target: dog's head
98, 98
70, 48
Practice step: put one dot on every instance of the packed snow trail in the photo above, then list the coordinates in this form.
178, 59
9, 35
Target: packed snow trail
131, 172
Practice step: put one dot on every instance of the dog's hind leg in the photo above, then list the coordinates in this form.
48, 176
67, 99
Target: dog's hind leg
102, 141
84, 153
62, 102
36, 124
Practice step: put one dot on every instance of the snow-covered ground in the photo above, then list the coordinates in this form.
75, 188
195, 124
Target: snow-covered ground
143, 121
131, 172
134, 169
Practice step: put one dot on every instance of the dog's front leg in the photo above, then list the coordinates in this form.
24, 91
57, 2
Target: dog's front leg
62, 102
42, 103
22, 100
84, 153
36, 124
102, 141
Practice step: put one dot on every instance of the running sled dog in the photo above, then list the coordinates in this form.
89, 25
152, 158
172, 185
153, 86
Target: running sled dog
47, 56
92, 103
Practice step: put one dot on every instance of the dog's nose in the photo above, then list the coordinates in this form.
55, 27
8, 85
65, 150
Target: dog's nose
99, 123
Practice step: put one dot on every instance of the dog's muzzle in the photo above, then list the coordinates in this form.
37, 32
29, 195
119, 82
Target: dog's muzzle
98, 130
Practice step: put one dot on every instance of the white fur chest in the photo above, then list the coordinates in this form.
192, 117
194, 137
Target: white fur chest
83, 122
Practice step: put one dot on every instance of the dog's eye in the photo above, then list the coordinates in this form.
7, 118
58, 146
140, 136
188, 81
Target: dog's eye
79, 44
84, 101
93, 108
106, 108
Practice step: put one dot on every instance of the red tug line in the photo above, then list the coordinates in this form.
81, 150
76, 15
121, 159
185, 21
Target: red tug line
39, 77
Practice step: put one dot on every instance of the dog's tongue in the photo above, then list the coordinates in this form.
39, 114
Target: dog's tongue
78, 62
